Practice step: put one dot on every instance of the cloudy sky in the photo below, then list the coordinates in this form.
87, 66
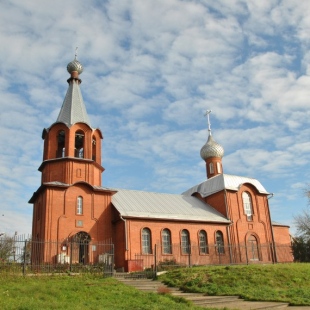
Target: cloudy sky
151, 70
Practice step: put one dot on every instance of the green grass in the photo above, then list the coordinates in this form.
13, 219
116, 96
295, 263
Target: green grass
286, 283
79, 292
282, 282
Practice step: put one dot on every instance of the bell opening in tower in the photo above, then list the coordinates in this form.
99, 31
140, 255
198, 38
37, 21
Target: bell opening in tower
79, 144
94, 149
61, 138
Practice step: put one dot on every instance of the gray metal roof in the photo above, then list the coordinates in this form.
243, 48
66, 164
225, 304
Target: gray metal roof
273, 223
223, 181
73, 109
140, 204
95, 187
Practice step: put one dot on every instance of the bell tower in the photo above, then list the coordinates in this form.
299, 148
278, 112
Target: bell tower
70, 201
72, 148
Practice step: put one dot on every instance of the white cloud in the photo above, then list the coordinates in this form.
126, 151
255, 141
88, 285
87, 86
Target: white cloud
150, 73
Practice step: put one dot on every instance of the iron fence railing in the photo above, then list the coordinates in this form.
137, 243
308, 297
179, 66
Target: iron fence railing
22, 254
214, 255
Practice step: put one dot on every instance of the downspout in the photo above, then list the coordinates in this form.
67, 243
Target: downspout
272, 235
230, 245
228, 228
126, 237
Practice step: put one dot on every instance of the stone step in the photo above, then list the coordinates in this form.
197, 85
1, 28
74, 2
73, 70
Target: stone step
206, 299
199, 299
245, 305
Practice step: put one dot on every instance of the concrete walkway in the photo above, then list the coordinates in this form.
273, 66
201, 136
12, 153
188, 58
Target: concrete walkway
230, 302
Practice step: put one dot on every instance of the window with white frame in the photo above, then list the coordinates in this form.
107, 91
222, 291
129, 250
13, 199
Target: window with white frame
247, 205
211, 168
220, 242
203, 242
146, 241
185, 244
79, 205
219, 167
166, 241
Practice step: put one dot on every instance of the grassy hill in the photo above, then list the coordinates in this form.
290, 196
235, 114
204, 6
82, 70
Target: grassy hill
79, 293
281, 282
287, 283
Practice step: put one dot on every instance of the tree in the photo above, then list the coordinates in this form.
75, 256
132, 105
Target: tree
6, 247
301, 243
302, 222
301, 249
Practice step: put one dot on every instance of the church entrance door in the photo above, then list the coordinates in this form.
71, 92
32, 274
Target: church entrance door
252, 248
81, 241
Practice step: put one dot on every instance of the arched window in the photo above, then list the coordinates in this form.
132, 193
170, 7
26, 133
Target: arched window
166, 241
247, 205
79, 205
211, 168
61, 144
220, 242
219, 167
203, 242
185, 242
79, 144
146, 241
252, 248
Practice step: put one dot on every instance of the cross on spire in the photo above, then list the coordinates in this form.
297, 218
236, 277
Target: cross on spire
208, 118
75, 56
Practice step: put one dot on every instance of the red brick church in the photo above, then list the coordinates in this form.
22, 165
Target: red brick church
225, 219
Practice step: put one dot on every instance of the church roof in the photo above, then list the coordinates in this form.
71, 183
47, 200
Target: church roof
221, 182
140, 204
73, 109
279, 224
211, 149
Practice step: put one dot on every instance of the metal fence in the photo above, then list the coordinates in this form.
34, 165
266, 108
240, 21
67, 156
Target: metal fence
213, 255
21, 254
24, 255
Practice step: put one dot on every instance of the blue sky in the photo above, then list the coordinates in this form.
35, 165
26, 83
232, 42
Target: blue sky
151, 70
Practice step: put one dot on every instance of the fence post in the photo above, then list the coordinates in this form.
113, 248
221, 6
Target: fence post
112, 262
246, 254
70, 268
155, 261
189, 255
24, 264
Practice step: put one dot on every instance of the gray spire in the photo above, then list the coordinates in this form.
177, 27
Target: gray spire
73, 109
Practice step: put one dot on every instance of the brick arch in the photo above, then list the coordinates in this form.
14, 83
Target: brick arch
253, 249
50, 137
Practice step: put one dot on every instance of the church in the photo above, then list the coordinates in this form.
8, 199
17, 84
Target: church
225, 219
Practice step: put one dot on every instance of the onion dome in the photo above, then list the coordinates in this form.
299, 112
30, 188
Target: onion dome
211, 149
75, 65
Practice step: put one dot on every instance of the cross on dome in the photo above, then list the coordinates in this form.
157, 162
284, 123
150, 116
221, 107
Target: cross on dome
208, 118
75, 65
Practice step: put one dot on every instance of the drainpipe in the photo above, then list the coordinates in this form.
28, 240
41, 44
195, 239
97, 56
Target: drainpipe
230, 245
126, 237
228, 228
269, 196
